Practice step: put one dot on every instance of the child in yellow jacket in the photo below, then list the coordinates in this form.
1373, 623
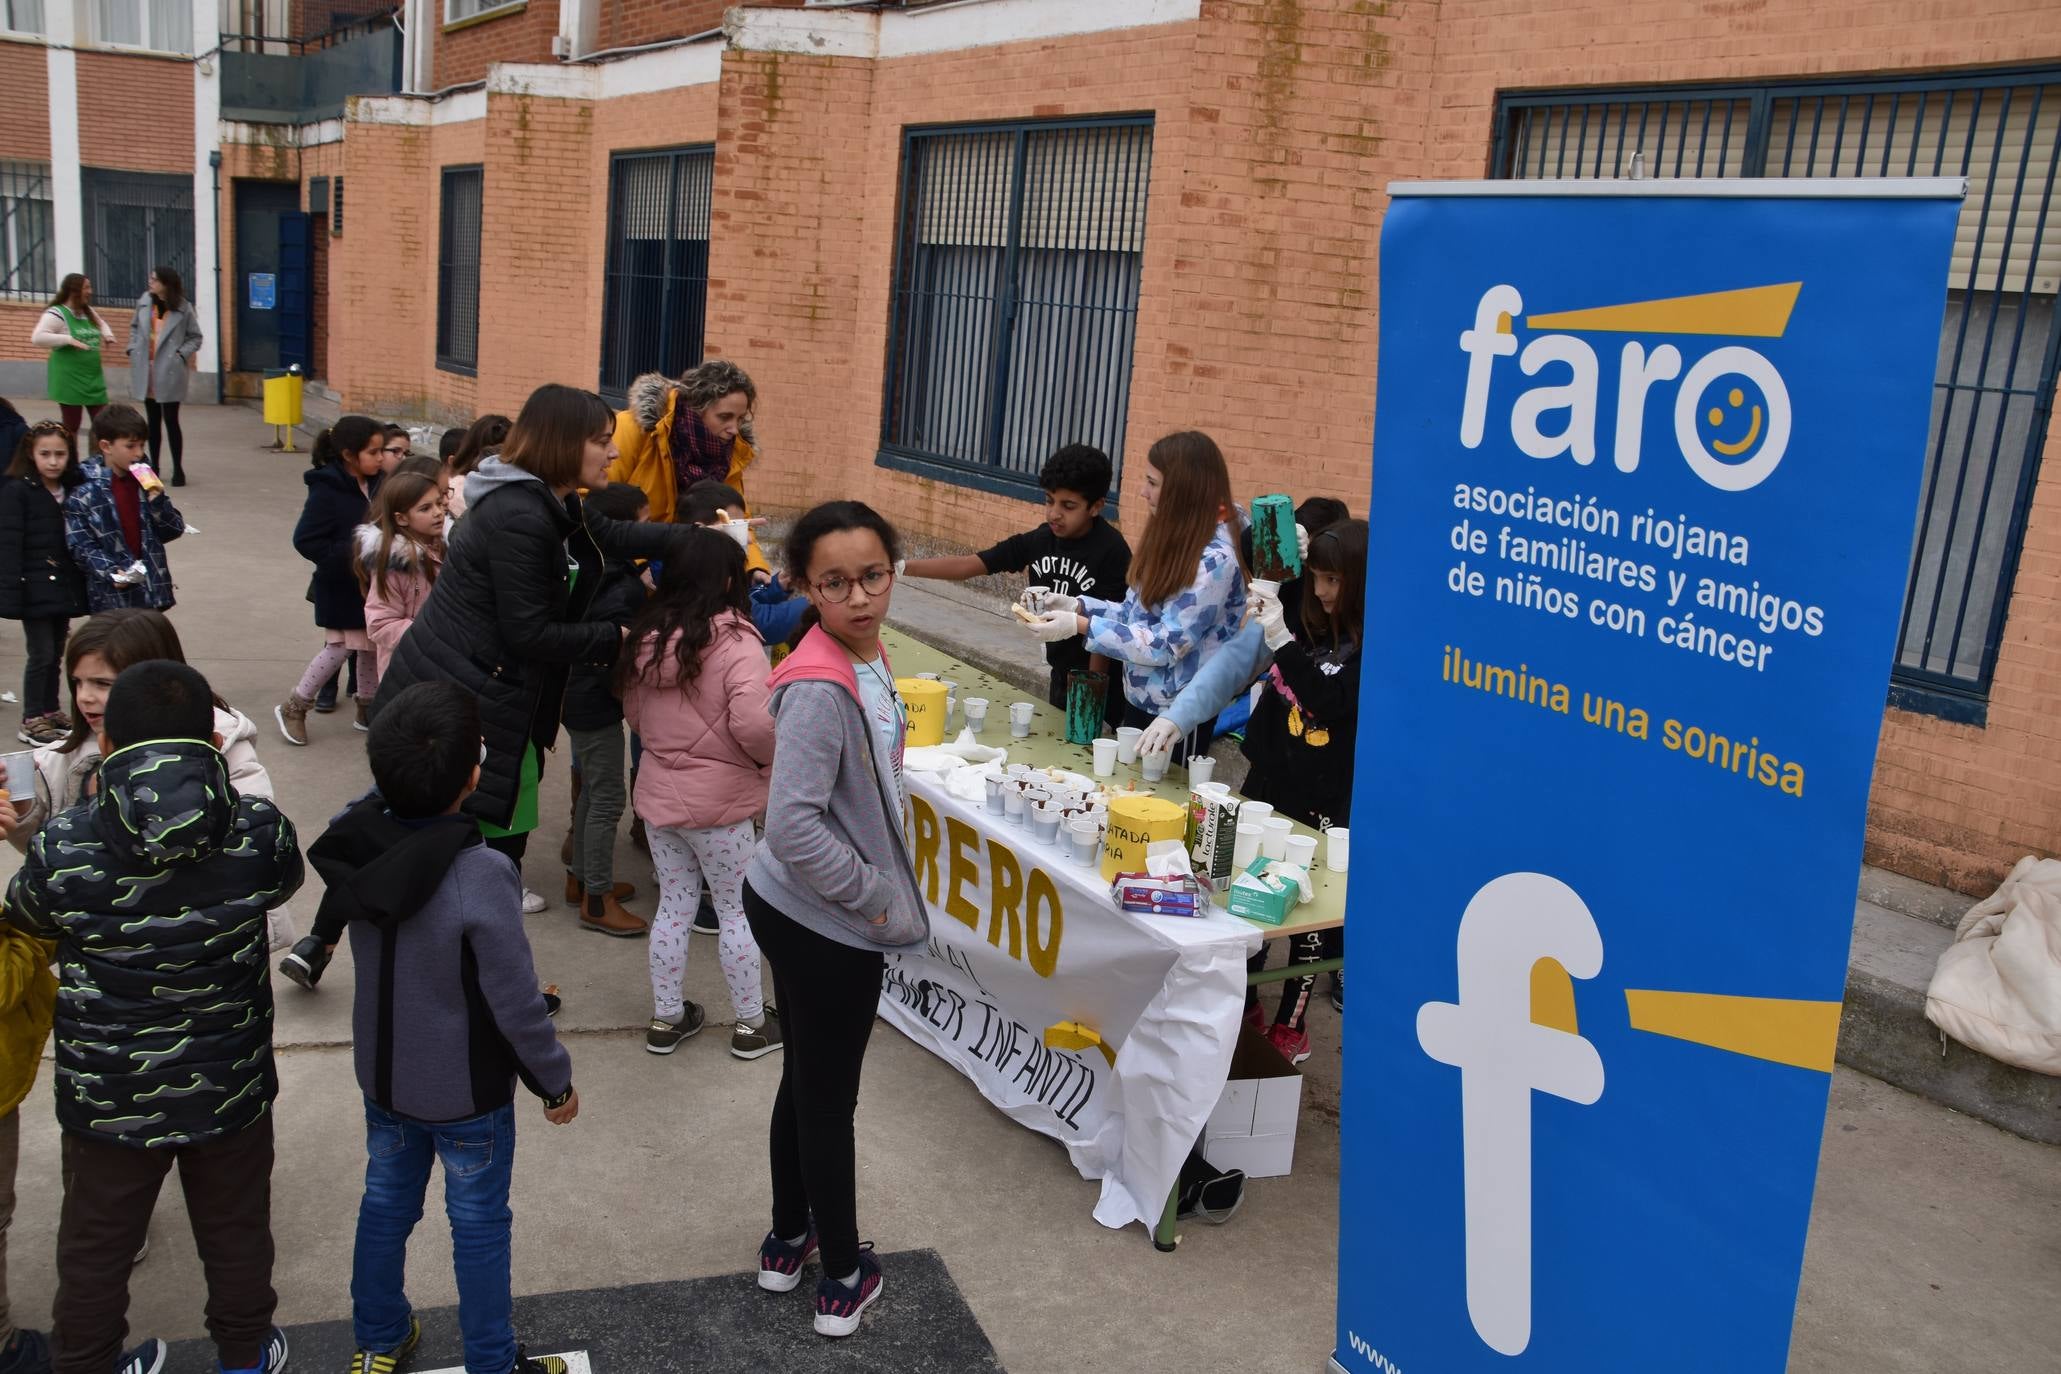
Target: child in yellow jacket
28, 997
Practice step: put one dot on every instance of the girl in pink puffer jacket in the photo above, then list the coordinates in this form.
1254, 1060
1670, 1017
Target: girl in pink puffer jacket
399, 553
693, 681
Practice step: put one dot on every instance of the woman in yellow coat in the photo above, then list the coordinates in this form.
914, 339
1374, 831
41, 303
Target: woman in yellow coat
675, 434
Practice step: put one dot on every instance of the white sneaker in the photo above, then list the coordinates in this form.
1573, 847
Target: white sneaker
532, 903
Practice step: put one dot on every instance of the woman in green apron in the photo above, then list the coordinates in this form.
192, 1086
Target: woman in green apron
74, 332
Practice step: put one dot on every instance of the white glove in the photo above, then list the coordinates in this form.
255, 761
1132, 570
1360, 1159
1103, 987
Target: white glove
1273, 621
1053, 626
1302, 543
901, 569
1054, 601
1160, 737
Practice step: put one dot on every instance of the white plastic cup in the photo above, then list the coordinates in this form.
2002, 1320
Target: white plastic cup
1045, 822
1274, 833
977, 714
1127, 743
1105, 757
1337, 848
996, 786
1152, 767
1012, 804
1301, 850
1266, 586
1020, 718
1200, 767
1034, 599
739, 530
1256, 812
930, 677
951, 704
1082, 838
1247, 846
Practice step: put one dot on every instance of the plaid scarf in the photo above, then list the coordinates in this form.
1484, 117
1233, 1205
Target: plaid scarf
698, 456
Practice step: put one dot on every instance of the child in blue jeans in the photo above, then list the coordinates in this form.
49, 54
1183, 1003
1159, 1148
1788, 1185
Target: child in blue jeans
445, 1020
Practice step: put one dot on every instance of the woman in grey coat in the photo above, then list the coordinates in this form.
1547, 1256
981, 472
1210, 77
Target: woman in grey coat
162, 345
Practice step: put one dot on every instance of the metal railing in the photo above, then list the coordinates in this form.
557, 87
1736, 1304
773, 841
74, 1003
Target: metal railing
1998, 354
458, 226
1015, 305
28, 260
135, 221
655, 302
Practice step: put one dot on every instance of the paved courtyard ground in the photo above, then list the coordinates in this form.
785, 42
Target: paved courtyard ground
1935, 1246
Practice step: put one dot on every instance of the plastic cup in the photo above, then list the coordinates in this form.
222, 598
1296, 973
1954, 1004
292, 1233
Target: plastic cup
1012, 804
931, 677
1200, 767
977, 714
1020, 718
1337, 848
1034, 599
1256, 812
1301, 850
1274, 833
1045, 823
1105, 757
1127, 743
1247, 846
1153, 766
1082, 838
995, 786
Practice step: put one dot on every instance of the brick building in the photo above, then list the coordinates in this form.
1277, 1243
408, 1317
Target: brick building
944, 237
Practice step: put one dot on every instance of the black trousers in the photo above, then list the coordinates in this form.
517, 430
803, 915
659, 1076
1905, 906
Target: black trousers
514, 846
164, 419
109, 1192
827, 994
40, 678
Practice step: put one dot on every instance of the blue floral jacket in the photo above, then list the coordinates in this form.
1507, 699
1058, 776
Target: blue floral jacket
1163, 646
93, 531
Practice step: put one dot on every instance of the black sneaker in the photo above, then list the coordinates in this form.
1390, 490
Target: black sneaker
1214, 1200
552, 1004
27, 1353
1338, 991
388, 1361
705, 922
305, 961
275, 1353
780, 1264
325, 700
147, 1358
663, 1037
526, 1363
838, 1307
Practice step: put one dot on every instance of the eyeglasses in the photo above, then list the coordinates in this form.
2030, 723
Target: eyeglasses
400, 452
836, 589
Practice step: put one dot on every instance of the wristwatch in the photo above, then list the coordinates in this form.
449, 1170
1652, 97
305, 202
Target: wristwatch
552, 1104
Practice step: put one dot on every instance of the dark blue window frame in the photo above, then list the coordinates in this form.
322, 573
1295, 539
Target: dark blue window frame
461, 212
1995, 389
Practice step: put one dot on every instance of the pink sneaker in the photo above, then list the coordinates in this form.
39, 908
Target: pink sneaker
1293, 1044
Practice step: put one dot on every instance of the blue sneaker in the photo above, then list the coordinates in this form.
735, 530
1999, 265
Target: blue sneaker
147, 1358
274, 1361
780, 1264
838, 1307
27, 1353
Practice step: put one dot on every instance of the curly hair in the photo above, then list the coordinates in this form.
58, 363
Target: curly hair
703, 386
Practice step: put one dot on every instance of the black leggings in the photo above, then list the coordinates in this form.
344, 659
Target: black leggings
40, 677
164, 419
827, 994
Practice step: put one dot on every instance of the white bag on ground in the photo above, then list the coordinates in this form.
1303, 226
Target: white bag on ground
1998, 986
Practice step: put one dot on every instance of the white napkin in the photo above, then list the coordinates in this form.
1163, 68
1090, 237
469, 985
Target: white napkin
1166, 859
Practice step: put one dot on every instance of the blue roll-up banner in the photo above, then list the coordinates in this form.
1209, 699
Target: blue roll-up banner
1646, 469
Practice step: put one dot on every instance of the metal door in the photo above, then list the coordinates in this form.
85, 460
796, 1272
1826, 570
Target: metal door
254, 284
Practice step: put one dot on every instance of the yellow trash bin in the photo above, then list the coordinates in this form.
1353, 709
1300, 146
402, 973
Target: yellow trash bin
283, 403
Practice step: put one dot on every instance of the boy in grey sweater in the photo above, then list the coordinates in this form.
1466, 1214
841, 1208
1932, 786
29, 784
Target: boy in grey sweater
446, 1019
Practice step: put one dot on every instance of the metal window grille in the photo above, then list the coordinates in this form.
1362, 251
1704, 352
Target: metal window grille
135, 221
336, 208
1017, 264
655, 305
1995, 385
28, 261
318, 196
21, 16
458, 270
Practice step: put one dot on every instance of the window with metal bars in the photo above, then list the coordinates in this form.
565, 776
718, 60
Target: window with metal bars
135, 221
1015, 304
1994, 387
655, 299
28, 261
458, 270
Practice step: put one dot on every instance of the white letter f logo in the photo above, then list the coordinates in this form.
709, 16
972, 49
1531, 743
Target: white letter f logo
1502, 1055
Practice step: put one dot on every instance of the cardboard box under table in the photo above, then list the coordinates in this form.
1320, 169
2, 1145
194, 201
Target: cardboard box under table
1253, 1127
1113, 1033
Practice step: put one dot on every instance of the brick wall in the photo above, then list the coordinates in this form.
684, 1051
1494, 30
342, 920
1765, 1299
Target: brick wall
135, 112
24, 102
626, 23
463, 54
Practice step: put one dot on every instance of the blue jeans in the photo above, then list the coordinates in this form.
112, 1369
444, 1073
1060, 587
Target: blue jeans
479, 1160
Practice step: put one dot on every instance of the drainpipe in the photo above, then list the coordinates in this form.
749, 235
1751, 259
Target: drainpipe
221, 359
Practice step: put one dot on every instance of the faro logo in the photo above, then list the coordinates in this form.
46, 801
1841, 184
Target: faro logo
1730, 408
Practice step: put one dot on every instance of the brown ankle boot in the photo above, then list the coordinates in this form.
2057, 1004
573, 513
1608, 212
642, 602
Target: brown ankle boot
292, 716
576, 893
606, 915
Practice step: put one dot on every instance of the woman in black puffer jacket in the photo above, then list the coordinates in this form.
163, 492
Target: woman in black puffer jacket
40, 585
507, 617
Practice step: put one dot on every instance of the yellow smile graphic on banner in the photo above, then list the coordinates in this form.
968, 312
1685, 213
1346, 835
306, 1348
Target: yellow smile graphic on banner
1780, 1030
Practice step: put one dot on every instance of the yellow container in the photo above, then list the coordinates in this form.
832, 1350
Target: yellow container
925, 702
1134, 823
283, 399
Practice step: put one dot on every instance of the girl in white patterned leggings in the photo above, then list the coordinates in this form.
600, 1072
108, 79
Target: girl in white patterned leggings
693, 682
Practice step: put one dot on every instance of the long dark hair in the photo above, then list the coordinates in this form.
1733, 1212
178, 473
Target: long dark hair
704, 577
484, 436
1194, 493
24, 464
175, 289
1341, 550
351, 434
68, 290
550, 436
123, 636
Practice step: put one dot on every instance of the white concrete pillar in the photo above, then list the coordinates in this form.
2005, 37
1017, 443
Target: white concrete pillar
207, 141
419, 20
579, 28
67, 187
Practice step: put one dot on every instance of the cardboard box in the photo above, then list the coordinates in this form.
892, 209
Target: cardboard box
1266, 900
1253, 1126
